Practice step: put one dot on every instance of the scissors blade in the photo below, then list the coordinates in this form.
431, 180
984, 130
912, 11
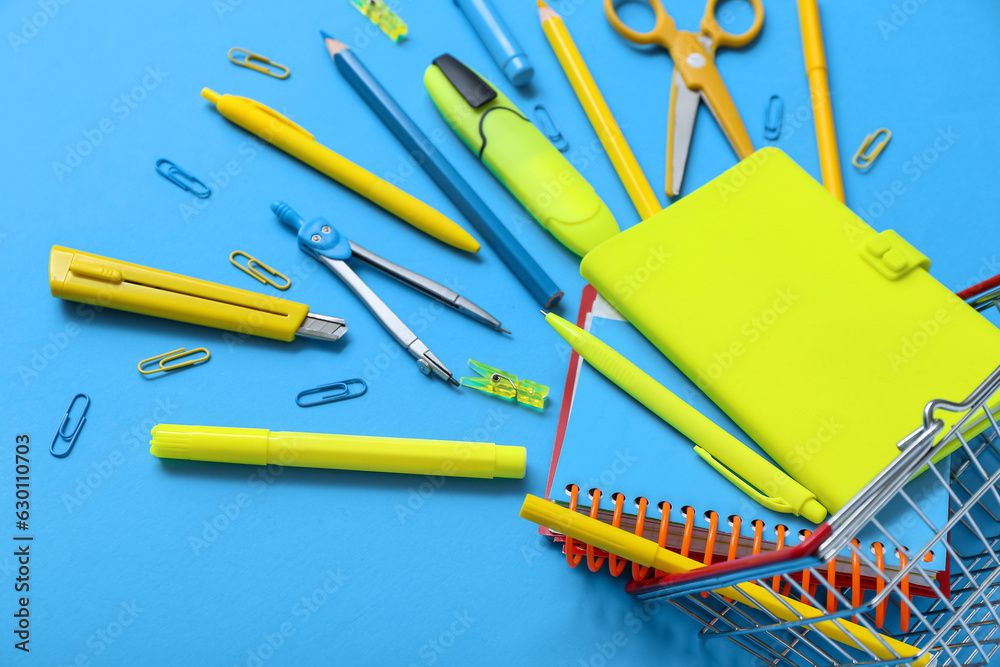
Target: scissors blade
680, 128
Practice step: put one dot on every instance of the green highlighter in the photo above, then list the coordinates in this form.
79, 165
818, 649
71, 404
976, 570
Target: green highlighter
518, 154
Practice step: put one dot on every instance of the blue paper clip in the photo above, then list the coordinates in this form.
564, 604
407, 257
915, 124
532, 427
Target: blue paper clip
343, 390
69, 437
182, 179
550, 128
774, 113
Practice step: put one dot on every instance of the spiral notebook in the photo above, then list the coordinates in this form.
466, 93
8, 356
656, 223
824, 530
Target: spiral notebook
608, 441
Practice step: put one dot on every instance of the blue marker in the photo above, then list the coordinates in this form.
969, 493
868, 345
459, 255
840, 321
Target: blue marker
499, 41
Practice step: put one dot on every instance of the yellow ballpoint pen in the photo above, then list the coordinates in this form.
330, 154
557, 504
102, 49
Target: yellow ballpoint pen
650, 554
743, 467
259, 446
604, 123
282, 133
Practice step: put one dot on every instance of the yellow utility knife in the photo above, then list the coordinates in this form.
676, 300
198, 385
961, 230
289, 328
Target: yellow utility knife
80, 276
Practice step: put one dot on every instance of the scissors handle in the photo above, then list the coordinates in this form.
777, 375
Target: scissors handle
721, 37
663, 32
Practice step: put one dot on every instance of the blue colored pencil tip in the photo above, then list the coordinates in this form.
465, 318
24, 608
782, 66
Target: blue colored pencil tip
325, 34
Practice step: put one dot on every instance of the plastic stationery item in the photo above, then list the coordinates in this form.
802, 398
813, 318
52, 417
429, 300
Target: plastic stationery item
426, 153
871, 148
333, 392
498, 40
289, 137
258, 446
695, 80
250, 269
182, 179
819, 87
739, 464
174, 355
379, 14
81, 276
506, 385
958, 625
603, 122
524, 160
69, 438
756, 596
830, 339
257, 63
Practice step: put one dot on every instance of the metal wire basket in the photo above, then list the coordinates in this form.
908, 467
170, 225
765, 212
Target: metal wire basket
954, 622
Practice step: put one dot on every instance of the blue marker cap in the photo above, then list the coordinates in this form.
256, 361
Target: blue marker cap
498, 40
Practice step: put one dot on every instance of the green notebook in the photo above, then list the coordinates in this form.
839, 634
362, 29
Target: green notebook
820, 337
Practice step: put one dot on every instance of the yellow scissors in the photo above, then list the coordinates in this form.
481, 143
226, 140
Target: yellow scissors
695, 79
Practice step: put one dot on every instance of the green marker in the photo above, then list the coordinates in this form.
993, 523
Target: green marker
524, 160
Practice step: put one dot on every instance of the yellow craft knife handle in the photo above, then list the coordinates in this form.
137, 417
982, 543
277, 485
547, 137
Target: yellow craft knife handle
80, 276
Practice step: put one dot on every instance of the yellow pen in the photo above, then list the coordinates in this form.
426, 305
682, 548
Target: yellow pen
259, 446
109, 283
649, 553
819, 86
617, 148
282, 133
730, 457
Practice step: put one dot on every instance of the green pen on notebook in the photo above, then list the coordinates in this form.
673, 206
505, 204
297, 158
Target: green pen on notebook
743, 467
520, 156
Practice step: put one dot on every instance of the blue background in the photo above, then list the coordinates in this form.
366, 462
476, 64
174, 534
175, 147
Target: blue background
424, 572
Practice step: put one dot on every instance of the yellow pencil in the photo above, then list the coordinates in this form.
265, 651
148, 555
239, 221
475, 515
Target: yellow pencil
598, 112
819, 86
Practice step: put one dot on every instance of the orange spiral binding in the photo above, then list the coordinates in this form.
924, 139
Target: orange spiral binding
572, 559
780, 530
879, 585
594, 563
713, 529
734, 536
758, 535
616, 564
664, 528
639, 571
856, 592
831, 585
688, 530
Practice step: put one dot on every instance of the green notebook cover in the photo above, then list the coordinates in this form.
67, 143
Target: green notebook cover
820, 337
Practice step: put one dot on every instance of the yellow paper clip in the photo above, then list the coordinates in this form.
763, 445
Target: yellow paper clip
862, 159
249, 269
258, 63
170, 356
383, 17
506, 385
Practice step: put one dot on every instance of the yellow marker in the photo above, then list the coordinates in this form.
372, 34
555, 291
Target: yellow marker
638, 188
282, 133
819, 86
648, 553
259, 446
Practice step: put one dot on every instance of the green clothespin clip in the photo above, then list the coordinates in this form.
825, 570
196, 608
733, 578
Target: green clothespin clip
506, 385
379, 14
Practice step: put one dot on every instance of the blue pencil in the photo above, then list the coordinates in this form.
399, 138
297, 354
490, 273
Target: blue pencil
448, 179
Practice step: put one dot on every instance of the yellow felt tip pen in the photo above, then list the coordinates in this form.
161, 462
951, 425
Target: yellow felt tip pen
743, 467
293, 139
650, 554
259, 446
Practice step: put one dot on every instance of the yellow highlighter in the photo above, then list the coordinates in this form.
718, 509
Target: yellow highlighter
282, 133
259, 446
109, 283
649, 553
